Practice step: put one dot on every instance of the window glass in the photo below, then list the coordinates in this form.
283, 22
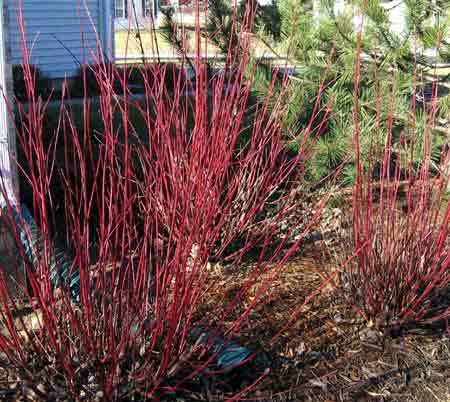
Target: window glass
120, 8
147, 7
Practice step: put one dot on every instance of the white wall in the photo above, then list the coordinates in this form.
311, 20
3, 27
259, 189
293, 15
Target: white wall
15, 278
7, 134
63, 32
395, 10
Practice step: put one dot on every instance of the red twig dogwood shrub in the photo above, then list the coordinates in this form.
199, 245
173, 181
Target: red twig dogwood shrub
160, 186
400, 227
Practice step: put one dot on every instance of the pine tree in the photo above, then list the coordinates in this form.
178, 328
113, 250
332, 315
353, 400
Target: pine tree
320, 38
323, 38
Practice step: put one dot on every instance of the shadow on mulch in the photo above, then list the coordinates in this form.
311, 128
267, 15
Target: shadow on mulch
328, 353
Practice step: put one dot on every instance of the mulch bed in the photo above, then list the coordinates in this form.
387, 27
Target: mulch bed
327, 354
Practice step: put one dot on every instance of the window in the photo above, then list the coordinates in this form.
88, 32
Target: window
147, 7
120, 8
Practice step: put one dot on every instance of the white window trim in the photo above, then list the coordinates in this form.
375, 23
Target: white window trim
124, 8
125, 23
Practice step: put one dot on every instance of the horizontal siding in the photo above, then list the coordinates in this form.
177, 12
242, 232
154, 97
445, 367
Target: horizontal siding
57, 23
60, 33
45, 44
53, 56
61, 4
45, 41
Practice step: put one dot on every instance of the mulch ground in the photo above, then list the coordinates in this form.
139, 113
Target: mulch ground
326, 354
329, 353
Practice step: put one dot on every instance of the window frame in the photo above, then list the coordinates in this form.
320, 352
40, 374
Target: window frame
124, 10
147, 12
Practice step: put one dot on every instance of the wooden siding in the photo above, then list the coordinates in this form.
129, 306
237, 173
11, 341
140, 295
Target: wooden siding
61, 33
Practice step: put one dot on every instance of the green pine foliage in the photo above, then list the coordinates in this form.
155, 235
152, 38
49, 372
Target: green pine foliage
321, 40
393, 64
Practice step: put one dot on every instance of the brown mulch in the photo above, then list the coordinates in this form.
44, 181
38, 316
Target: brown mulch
328, 353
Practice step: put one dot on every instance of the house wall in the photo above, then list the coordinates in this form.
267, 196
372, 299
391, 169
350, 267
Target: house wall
61, 33
395, 11
8, 172
136, 16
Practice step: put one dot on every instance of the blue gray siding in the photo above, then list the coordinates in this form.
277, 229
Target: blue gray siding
63, 33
